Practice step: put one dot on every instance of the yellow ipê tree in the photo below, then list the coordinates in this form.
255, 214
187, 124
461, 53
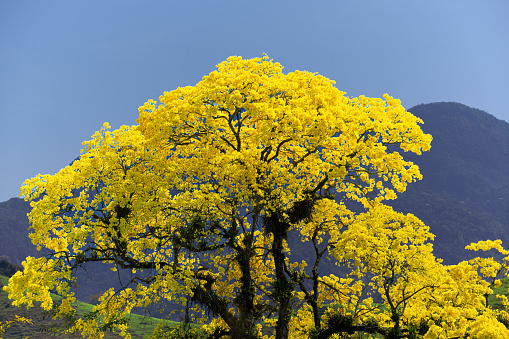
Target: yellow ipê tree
200, 199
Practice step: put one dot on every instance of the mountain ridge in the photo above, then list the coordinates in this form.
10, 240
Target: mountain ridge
464, 194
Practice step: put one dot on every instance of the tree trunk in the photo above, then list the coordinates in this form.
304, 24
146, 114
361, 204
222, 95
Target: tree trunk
245, 299
283, 289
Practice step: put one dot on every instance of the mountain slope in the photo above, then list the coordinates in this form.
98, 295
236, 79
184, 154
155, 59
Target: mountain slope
464, 194
14, 242
469, 158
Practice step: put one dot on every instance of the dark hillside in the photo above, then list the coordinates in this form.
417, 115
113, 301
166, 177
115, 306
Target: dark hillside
469, 158
464, 195
14, 242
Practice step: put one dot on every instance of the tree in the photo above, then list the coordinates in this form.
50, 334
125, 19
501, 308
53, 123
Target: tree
201, 200
394, 250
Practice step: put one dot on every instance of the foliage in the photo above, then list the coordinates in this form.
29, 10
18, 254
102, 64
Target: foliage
200, 198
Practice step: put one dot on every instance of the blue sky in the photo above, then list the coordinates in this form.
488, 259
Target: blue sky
68, 66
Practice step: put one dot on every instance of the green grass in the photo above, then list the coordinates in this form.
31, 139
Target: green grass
501, 290
139, 326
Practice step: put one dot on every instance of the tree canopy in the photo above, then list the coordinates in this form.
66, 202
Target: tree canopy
203, 200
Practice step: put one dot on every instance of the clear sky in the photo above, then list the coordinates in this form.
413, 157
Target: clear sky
68, 66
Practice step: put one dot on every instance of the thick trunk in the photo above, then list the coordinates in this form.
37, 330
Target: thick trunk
283, 290
245, 299
243, 325
279, 225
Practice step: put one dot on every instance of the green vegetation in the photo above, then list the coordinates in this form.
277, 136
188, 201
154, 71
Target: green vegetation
501, 290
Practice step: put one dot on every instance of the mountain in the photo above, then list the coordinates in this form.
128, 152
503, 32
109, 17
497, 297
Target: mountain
463, 197
14, 242
464, 194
